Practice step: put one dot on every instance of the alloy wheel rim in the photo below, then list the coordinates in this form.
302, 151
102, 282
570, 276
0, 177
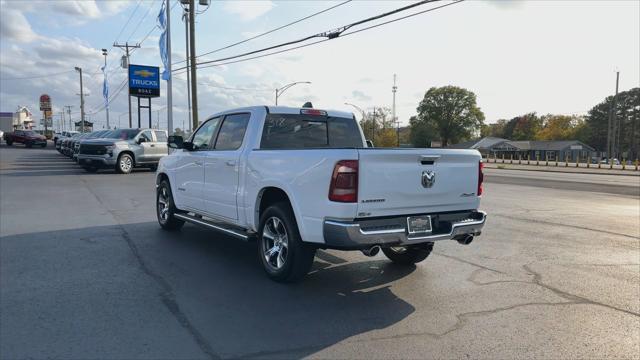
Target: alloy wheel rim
125, 163
163, 204
275, 243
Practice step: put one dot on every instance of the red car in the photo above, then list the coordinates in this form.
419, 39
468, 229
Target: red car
27, 137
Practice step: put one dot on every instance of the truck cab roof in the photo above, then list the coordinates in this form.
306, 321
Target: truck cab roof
284, 110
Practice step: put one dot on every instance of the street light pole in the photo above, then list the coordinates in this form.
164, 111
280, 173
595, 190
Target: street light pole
284, 88
78, 69
106, 100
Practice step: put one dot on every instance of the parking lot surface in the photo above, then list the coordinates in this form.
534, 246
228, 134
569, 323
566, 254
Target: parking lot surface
86, 272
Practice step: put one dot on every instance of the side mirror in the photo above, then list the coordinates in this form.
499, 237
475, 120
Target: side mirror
175, 142
141, 140
370, 143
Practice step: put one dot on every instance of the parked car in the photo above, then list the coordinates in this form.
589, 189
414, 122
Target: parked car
62, 134
92, 135
27, 137
123, 150
299, 179
65, 144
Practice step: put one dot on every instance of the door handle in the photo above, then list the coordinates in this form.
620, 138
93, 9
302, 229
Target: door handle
231, 162
152, 145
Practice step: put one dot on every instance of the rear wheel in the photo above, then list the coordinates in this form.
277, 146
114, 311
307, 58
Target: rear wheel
124, 164
407, 255
283, 254
165, 208
9, 143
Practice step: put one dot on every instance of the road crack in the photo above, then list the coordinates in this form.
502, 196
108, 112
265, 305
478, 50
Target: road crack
167, 296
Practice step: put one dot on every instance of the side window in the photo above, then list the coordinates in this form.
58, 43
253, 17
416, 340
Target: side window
147, 136
161, 136
232, 132
202, 137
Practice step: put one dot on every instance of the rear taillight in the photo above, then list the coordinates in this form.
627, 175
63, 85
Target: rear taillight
480, 177
344, 182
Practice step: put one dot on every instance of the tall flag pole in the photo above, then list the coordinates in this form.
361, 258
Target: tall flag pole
164, 21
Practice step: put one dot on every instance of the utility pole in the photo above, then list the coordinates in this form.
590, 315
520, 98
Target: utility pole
610, 125
192, 55
373, 125
61, 122
126, 47
185, 18
81, 101
68, 107
104, 52
395, 119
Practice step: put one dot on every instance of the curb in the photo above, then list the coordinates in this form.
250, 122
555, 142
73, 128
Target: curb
565, 172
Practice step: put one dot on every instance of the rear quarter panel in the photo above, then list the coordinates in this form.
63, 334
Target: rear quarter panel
305, 176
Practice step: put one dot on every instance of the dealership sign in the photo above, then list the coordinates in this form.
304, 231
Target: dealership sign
144, 81
45, 102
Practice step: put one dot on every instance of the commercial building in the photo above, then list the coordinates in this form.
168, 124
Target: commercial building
20, 119
551, 150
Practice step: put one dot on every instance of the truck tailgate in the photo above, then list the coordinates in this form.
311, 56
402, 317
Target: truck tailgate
391, 181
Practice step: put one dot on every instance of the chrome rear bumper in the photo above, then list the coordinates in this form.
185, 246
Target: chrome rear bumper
351, 235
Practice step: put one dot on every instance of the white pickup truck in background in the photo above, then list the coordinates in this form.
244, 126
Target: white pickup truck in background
300, 179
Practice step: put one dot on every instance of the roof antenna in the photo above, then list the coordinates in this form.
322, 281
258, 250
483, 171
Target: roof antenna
308, 104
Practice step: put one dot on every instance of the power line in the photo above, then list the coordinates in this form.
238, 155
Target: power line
329, 35
268, 32
181, 70
128, 20
225, 87
140, 21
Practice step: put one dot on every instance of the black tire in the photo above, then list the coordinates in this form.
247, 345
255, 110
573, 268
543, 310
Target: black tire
9, 143
298, 255
90, 169
43, 145
125, 164
408, 255
28, 144
168, 222
153, 168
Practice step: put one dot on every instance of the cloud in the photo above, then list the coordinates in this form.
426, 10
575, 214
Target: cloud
506, 4
248, 10
86, 9
360, 96
15, 27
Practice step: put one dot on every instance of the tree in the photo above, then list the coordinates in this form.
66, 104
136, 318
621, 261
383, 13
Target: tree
450, 112
524, 127
376, 121
627, 113
560, 127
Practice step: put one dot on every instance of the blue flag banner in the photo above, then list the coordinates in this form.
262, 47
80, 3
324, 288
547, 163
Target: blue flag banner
105, 86
164, 56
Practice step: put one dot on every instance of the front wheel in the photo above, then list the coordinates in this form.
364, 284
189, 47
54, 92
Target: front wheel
283, 254
125, 164
408, 255
165, 208
28, 144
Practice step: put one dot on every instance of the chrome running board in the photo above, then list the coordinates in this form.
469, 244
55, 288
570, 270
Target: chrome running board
215, 225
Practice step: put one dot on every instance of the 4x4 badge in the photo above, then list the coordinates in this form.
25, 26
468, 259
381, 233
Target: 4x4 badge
428, 178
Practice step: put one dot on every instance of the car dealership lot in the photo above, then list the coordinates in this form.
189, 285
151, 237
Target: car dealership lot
86, 272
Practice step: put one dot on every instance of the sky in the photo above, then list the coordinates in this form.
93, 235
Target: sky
555, 57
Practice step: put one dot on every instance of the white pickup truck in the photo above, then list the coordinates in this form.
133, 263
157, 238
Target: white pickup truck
300, 179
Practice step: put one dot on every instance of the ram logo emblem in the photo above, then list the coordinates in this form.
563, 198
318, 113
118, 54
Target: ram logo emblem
428, 178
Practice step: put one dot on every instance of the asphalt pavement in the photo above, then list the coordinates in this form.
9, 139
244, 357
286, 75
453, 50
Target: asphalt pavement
86, 273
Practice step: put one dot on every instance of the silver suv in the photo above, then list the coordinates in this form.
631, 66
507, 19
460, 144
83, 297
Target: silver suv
124, 149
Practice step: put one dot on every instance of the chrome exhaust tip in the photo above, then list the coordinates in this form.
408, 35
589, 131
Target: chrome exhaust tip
372, 251
465, 240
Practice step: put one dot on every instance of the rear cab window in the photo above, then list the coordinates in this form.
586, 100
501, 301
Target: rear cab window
299, 131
